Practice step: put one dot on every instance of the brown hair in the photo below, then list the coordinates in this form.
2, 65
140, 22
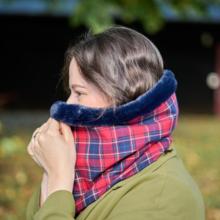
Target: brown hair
120, 62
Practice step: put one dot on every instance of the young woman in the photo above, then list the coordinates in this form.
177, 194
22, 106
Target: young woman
106, 152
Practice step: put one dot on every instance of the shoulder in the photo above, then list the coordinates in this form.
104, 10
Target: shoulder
180, 192
166, 188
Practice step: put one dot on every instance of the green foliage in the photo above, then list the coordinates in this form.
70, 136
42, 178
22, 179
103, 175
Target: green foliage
11, 145
94, 14
197, 141
99, 14
18, 175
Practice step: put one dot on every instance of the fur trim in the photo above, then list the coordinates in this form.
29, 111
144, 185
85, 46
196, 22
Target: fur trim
80, 115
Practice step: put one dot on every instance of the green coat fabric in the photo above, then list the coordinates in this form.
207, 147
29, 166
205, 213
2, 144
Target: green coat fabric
162, 191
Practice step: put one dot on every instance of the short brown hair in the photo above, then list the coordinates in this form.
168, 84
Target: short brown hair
121, 62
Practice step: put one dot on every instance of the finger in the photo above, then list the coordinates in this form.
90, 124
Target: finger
31, 143
66, 131
36, 161
44, 127
40, 134
53, 125
36, 154
30, 150
35, 132
32, 146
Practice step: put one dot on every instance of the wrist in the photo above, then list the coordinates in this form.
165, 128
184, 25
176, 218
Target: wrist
57, 182
44, 189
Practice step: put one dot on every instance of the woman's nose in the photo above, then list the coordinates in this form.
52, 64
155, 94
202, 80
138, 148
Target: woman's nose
71, 100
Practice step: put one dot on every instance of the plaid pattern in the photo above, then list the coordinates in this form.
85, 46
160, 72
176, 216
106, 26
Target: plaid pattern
109, 154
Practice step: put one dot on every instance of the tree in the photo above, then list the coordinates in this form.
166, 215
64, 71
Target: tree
152, 14
99, 14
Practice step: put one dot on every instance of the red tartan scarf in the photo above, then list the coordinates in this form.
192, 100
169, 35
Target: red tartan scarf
121, 142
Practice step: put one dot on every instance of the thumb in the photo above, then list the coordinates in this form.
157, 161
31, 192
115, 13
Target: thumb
53, 125
67, 132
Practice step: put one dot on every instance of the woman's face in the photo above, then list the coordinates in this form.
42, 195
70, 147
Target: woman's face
82, 92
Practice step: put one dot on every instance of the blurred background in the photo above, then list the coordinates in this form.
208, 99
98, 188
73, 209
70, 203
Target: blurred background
34, 37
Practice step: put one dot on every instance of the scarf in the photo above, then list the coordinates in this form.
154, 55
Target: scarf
122, 141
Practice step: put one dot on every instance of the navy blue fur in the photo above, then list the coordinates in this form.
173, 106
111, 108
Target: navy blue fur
80, 115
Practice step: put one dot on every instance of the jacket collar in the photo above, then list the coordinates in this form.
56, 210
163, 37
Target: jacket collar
80, 115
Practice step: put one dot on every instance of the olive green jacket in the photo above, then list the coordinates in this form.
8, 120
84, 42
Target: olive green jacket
162, 191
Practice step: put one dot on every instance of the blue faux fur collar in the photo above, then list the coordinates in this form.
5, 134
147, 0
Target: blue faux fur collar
80, 115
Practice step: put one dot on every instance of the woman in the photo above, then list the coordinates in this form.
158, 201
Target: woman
106, 152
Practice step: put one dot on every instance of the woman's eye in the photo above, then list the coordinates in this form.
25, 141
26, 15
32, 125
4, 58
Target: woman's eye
78, 93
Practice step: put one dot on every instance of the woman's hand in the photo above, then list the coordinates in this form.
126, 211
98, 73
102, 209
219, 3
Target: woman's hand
52, 147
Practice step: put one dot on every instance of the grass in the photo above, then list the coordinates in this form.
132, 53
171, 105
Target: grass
197, 140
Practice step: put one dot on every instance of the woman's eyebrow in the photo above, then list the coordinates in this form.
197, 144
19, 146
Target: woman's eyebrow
77, 85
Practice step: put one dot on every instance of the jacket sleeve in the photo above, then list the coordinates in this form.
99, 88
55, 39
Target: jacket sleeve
59, 205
